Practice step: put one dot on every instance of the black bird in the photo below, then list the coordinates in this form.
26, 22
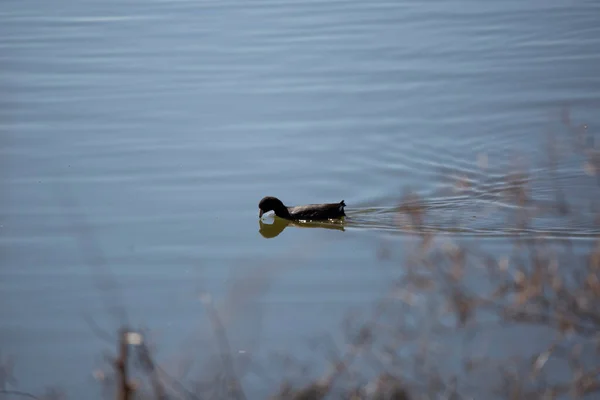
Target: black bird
307, 212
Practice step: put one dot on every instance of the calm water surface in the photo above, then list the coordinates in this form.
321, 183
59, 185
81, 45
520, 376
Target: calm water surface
144, 133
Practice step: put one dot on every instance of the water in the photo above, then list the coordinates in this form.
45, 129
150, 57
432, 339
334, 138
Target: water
144, 133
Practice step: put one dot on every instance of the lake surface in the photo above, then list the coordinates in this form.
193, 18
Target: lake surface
139, 136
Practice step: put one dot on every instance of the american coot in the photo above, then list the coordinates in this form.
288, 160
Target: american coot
307, 212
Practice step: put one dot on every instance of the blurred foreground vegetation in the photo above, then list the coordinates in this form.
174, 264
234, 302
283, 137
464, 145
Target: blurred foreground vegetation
456, 322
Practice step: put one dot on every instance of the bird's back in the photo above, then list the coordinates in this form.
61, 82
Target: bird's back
318, 211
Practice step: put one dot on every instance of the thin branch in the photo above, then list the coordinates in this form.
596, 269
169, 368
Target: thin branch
224, 349
19, 393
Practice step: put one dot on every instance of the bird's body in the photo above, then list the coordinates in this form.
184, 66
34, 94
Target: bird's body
306, 212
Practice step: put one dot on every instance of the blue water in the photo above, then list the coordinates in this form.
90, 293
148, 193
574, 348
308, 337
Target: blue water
139, 136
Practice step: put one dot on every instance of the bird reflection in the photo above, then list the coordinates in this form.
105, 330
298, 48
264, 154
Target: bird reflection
269, 231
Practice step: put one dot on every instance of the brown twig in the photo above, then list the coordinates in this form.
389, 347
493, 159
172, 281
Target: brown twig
124, 388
